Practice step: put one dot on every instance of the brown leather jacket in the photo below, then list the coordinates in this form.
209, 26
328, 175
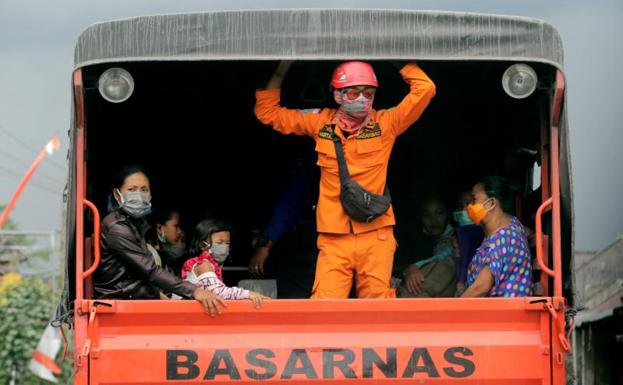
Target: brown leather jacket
127, 269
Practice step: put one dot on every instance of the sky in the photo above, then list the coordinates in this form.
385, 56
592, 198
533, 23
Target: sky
36, 60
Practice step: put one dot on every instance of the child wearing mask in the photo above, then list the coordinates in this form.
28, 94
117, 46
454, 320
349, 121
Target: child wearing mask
208, 251
171, 243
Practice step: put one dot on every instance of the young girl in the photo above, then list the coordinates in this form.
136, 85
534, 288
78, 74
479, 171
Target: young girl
208, 251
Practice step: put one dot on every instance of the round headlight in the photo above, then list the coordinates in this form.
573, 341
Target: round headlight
519, 81
116, 85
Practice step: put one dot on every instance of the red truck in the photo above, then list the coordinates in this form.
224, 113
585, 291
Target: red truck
184, 91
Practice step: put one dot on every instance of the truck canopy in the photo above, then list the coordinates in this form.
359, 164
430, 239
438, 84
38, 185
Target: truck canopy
314, 34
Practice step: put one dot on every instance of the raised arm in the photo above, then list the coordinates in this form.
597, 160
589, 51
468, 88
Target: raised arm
287, 121
422, 90
279, 74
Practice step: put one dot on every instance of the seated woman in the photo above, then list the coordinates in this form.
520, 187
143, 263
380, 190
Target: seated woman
468, 238
208, 251
432, 272
502, 265
127, 268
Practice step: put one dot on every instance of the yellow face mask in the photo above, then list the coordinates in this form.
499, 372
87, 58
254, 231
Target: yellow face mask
477, 211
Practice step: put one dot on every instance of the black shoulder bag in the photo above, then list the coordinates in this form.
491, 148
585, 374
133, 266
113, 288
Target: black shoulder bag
358, 203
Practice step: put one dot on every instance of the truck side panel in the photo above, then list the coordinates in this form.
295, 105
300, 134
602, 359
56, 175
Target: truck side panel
441, 341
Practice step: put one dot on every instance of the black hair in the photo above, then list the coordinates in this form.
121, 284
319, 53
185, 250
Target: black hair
162, 215
203, 232
432, 197
497, 187
157, 217
125, 172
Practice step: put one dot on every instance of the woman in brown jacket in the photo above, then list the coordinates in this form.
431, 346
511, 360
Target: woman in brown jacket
127, 269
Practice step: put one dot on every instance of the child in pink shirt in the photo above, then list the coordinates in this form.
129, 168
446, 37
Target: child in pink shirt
209, 250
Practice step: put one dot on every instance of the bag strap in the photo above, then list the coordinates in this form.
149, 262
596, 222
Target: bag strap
341, 161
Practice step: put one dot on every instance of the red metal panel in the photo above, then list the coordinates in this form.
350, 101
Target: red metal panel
441, 341
80, 321
560, 345
80, 185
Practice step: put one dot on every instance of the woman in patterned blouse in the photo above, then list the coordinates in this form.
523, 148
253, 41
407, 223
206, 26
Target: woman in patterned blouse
502, 265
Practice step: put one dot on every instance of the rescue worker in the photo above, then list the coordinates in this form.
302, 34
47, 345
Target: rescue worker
367, 137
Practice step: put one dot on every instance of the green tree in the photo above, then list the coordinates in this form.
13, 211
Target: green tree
26, 307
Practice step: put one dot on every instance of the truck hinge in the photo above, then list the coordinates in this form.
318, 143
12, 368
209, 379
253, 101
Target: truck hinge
84, 354
560, 322
86, 348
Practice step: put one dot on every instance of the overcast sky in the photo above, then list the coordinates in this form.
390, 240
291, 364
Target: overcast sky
36, 54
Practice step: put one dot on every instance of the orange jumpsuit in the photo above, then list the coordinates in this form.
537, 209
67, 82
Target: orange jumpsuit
345, 245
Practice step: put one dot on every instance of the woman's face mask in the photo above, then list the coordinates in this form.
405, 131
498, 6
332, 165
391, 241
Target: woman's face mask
462, 218
135, 203
477, 211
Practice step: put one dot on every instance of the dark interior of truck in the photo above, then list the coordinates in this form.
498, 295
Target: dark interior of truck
192, 126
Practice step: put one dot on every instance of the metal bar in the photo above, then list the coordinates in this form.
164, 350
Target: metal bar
79, 149
96, 239
539, 236
555, 183
545, 169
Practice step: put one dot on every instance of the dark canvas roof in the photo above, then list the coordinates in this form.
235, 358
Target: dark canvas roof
320, 34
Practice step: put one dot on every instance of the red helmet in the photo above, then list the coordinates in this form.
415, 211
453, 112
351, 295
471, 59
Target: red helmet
353, 73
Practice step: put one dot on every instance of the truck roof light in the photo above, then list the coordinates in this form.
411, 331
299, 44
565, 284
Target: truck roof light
116, 85
519, 81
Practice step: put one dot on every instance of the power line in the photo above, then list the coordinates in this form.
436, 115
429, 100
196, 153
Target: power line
29, 147
16, 176
40, 174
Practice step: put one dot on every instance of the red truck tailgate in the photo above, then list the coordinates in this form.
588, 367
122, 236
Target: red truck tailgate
415, 341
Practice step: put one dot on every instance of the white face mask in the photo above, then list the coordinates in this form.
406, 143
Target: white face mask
135, 203
219, 252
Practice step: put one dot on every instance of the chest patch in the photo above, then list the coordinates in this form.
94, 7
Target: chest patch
369, 132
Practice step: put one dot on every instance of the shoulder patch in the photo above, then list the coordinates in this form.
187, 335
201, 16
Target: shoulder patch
326, 132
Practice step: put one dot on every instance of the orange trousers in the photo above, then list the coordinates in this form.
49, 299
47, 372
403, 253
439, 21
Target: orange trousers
369, 255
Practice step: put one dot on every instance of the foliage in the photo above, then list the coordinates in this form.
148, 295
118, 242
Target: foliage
26, 306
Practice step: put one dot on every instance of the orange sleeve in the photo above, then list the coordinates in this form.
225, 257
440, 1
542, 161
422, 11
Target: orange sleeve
401, 117
285, 120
